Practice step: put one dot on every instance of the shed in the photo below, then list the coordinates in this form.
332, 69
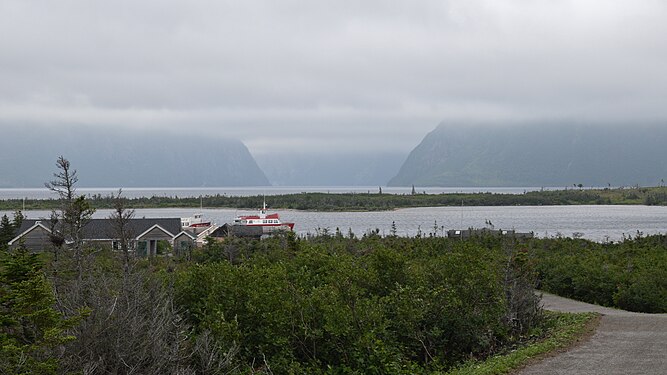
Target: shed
35, 236
183, 242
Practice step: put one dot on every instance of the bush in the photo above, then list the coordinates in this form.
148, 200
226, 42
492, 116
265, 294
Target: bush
374, 305
631, 275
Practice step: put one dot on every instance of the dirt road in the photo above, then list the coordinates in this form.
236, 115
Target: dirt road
624, 343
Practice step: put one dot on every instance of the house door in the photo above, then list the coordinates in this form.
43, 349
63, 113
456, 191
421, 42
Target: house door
152, 246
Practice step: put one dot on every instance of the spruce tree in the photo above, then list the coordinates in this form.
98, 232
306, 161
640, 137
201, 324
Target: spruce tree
30, 326
6, 231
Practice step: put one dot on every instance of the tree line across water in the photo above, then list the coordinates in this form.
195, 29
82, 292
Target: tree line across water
375, 201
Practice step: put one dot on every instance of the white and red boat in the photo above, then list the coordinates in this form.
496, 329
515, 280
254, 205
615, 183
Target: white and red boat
268, 222
194, 222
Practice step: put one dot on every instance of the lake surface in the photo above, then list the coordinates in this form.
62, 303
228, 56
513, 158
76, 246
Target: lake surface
598, 223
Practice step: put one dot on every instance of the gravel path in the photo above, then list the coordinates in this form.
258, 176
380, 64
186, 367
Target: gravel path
624, 343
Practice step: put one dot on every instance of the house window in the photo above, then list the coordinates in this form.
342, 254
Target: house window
117, 245
142, 248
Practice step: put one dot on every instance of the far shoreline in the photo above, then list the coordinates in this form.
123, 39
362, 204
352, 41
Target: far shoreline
370, 201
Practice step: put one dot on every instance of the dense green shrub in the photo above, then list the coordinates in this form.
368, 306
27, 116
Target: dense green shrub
343, 305
631, 274
338, 304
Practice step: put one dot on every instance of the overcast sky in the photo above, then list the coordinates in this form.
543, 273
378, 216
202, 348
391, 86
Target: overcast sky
329, 75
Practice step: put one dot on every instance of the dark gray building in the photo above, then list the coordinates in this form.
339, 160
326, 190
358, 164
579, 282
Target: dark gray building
144, 235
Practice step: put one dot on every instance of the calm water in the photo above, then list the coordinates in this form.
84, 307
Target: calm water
42, 193
598, 223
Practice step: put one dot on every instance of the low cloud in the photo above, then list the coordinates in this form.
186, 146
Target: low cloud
329, 76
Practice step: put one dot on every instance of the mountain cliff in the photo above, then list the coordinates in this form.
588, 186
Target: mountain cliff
553, 154
126, 159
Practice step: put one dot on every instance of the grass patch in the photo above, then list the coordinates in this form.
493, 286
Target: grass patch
563, 331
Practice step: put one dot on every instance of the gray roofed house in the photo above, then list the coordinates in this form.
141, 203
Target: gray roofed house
145, 234
33, 234
183, 243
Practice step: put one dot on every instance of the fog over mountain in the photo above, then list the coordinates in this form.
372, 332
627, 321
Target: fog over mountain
322, 92
538, 154
331, 169
126, 159
328, 76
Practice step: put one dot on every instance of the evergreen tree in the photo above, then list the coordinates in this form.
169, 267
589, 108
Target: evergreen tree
8, 228
30, 327
6, 231
18, 219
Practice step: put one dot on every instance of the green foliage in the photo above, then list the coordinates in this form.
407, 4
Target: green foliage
337, 305
327, 304
30, 327
7, 231
8, 228
631, 274
331, 304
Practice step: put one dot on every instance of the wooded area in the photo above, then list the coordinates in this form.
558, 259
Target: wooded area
376, 201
